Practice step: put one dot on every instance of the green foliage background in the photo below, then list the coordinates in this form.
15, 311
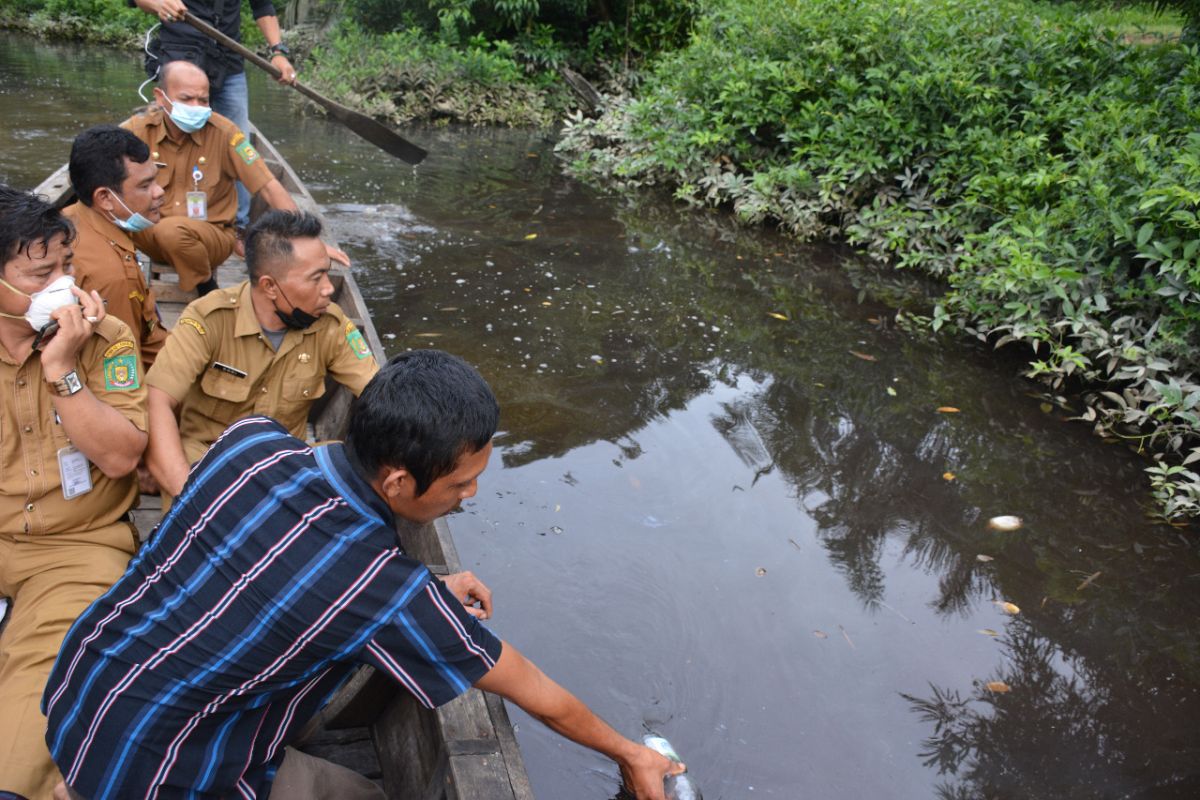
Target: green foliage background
1044, 167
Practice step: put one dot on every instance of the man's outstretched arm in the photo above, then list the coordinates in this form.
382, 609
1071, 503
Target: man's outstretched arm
518, 679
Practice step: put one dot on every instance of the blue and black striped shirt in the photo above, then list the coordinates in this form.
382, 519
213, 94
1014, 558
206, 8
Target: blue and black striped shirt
276, 572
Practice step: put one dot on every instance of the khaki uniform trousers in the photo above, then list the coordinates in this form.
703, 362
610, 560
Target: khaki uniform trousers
194, 247
50, 579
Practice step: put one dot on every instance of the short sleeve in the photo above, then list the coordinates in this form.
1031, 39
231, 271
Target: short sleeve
114, 373
248, 163
183, 357
433, 647
349, 358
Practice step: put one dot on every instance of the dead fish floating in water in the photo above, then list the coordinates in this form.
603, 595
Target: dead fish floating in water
1005, 523
676, 787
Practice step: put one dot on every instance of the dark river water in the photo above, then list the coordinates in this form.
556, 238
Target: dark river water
725, 504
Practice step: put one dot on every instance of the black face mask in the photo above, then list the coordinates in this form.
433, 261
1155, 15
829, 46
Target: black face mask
297, 319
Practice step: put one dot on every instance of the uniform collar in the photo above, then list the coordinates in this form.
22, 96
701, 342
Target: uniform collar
104, 226
156, 123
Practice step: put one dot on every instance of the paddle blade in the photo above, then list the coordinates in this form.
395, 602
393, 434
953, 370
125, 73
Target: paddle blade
372, 130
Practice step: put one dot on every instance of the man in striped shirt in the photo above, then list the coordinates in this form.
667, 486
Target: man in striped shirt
277, 571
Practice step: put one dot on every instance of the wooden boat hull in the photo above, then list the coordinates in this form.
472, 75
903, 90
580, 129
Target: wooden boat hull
465, 750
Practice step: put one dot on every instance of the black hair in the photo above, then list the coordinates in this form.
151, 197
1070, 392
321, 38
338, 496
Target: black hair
269, 239
26, 221
422, 412
98, 159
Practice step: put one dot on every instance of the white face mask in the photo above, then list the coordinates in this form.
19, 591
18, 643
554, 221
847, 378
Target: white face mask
46, 301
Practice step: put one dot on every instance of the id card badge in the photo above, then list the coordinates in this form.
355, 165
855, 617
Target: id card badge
75, 471
197, 205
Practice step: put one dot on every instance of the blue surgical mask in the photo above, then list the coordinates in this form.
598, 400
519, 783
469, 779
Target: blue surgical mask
136, 221
189, 118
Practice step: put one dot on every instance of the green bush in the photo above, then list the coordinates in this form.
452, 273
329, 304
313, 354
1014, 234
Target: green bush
405, 76
1048, 171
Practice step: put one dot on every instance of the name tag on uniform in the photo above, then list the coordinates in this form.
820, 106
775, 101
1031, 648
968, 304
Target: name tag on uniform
197, 205
234, 371
75, 471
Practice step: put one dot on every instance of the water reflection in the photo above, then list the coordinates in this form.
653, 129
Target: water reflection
723, 509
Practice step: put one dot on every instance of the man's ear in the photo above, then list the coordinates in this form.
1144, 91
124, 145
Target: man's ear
395, 482
268, 286
102, 199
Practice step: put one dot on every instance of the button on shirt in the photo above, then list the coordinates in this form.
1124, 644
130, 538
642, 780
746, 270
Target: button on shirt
275, 572
31, 435
220, 368
219, 150
105, 261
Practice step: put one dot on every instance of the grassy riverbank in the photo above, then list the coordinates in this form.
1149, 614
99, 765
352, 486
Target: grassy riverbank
1029, 155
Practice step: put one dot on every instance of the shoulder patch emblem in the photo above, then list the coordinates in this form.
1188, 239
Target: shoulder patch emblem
246, 151
119, 347
191, 323
121, 373
356, 342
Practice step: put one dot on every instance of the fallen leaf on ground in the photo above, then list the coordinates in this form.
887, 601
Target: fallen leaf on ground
1004, 523
948, 476
1008, 608
1087, 581
999, 687
947, 410
983, 558
989, 632
863, 356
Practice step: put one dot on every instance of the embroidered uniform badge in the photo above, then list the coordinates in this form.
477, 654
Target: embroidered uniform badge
120, 373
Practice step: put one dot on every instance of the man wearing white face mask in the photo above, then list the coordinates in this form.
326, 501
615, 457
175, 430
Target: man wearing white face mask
113, 177
204, 155
73, 423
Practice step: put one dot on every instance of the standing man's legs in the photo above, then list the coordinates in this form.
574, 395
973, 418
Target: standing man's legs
233, 101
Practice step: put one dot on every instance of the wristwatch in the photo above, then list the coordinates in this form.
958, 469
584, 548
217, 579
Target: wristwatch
68, 384
279, 49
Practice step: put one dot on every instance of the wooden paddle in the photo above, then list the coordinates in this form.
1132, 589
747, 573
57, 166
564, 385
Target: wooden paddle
373, 131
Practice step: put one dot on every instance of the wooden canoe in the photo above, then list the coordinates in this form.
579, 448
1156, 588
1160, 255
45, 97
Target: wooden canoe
465, 750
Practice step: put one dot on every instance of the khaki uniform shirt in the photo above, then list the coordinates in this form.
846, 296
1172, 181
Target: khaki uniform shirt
219, 367
220, 151
31, 436
105, 261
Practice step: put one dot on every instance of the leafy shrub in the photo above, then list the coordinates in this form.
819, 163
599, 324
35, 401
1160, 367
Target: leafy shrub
1048, 171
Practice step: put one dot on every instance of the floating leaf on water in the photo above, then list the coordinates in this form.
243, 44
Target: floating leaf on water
547, 303
1046, 408
529, 236
760, 571
873, 320
847, 637
947, 410
1007, 608
983, 558
989, 632
449, 308
1087, 581
1004, 523
821, 634
555, 529
948, 476
427, 335
999, 687
891, 391
863, 356
557, 507
777, 315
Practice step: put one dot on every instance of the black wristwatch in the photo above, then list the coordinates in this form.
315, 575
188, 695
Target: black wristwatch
279, 49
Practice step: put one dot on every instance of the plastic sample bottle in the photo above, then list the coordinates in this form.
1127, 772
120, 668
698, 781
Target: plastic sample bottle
677, 787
